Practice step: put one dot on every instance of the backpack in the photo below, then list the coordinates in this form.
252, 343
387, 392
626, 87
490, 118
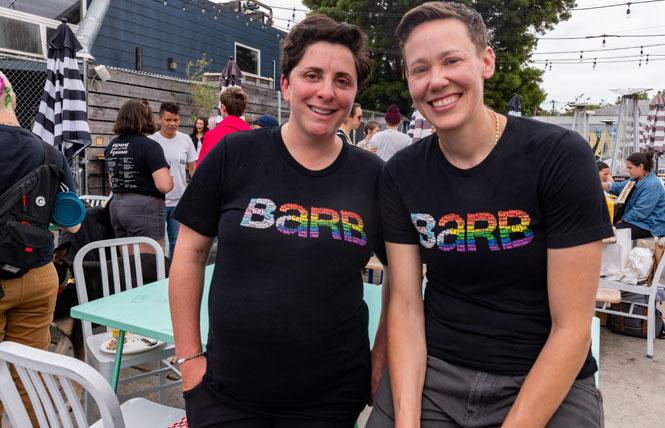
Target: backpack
633, 326
26, 209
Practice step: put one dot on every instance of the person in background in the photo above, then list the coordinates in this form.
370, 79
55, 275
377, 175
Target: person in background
232, 104
389, 141
296, 215
265, 121
139, 175
351, 123
604, 172
198, 132
181, 156
371, 128
27, 302
644, 214
502, 337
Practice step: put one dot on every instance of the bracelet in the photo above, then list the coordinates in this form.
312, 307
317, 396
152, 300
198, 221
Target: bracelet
191, 357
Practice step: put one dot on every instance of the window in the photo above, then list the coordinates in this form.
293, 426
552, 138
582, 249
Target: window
248, 59
20, 36
26, 34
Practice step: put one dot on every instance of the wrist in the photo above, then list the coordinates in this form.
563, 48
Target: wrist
182, 360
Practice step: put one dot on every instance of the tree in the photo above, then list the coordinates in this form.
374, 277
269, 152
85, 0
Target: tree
513, 26
204, 94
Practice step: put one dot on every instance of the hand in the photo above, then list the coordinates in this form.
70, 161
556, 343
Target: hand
192, 372
379, 360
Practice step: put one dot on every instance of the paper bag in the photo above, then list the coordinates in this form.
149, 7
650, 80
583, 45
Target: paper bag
615, 256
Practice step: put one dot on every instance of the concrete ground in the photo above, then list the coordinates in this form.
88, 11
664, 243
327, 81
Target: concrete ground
633, 385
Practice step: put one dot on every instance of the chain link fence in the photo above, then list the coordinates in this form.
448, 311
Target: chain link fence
27, 76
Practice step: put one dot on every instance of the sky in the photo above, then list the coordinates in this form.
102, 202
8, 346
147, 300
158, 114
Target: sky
565, 82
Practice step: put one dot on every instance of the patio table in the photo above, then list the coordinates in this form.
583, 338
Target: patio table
145, 310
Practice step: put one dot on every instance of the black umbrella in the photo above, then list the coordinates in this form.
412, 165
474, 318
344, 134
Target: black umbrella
515, 106
62, 119
231, 75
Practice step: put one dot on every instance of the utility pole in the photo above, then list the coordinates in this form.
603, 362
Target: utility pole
553, 107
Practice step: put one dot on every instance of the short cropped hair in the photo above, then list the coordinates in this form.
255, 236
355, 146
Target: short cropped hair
170, 107
234, 99
642, 158
434, 10
134, 118
372, 124
602, 165
6, 99
320, 28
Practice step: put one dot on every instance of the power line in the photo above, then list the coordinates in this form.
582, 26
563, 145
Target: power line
535, 11
598, 50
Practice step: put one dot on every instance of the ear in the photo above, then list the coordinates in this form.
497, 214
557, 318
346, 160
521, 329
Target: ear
489, 62
284, 84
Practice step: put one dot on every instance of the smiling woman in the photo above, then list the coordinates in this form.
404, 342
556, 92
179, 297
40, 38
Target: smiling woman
296, 215
520, 199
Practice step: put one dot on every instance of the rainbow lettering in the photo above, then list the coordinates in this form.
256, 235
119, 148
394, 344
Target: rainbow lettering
513, 227
297, 220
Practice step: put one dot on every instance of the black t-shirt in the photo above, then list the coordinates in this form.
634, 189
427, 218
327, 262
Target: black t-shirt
288, 324
484, 233
131, 159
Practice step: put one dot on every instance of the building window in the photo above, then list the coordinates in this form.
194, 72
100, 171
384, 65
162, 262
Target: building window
20, 36
248, 59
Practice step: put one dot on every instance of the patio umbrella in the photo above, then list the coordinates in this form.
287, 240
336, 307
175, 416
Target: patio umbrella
515, 106
655, 129
231, 75
62, 119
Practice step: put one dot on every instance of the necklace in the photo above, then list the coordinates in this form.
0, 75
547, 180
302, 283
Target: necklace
496, 135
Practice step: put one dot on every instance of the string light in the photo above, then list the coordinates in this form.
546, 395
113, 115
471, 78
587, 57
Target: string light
641, 50
581, 55
628, 11
604, 40
594, 63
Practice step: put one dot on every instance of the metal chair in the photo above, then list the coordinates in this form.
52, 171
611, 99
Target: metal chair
49, 381
649, 291
102, 361
94, 200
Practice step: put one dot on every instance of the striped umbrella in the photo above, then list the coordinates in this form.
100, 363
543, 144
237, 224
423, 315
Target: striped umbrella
62, 119
656, 123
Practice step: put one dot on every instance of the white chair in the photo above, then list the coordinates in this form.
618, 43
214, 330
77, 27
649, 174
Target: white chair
94, 200
648, 290
94, 356
48, 379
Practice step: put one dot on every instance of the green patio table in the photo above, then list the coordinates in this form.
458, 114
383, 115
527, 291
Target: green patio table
145, 310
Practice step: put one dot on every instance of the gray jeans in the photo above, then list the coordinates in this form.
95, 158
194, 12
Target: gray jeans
455, 396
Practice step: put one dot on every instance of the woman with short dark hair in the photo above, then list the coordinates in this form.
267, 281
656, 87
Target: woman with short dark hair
644, 214
296, 216
508, 215
139, 174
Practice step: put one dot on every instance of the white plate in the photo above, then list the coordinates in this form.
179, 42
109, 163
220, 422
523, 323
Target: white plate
133, 344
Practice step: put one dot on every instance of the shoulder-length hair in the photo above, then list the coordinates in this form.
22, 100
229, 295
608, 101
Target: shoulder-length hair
134, 117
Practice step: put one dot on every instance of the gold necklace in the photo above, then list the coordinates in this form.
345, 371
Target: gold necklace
496, 136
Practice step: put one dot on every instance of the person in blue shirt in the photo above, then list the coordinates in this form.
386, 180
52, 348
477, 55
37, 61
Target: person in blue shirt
645, 206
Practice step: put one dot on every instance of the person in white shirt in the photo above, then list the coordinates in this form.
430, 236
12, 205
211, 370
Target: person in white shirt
371, 128
388, 142
181, 156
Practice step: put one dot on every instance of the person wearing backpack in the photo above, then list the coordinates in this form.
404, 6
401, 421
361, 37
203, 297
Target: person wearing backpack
28, 287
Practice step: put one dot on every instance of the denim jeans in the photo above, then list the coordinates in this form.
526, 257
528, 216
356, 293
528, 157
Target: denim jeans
172, 228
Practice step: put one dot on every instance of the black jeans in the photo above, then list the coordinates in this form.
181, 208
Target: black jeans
635, 232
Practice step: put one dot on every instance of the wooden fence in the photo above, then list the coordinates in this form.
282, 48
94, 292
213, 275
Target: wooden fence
105, 99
